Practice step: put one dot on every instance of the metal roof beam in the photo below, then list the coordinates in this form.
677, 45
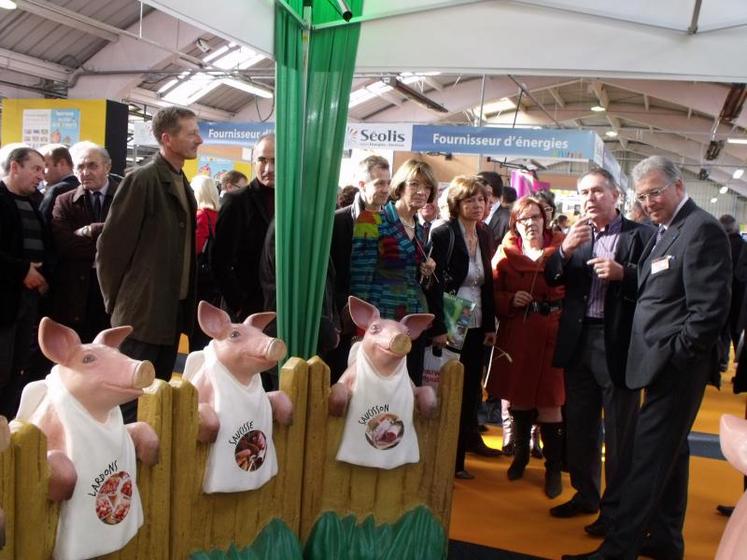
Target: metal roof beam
151, 98
556, 96
32, 66
66, 17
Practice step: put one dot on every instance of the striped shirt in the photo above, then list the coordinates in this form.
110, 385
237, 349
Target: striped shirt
33, 243
604, 245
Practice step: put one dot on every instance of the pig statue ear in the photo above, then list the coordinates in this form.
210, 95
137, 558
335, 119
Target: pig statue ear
113, 337
260, 320
362, 312
417, 323
214, 322
57, 342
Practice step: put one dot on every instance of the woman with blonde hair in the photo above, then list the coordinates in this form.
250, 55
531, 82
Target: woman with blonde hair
462, 248
207, 197
389, 258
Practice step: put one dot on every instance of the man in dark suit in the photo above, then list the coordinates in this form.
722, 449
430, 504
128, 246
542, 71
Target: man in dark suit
684, 290
374, 177
58, 175
597, 263
77, 220
499, 220
495, 183
240, 235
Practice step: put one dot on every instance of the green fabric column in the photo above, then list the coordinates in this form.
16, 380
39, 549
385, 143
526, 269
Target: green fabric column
314, 74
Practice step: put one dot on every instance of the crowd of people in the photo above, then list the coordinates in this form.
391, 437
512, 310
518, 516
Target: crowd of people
567, 322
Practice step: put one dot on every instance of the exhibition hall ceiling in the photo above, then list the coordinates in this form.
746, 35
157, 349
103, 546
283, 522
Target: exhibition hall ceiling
125, 50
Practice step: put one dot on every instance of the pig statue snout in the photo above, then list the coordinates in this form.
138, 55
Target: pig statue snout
144, 375
276, 350
400, 344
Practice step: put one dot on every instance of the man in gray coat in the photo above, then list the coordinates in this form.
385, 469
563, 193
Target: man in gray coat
684, 289
146, 252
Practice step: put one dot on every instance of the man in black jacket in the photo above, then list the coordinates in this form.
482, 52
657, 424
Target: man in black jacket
240, 235
684, 291
374, 177
59, 176
597, 263
23, 250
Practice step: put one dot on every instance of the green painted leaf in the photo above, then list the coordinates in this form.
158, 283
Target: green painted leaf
275, 541
416, 536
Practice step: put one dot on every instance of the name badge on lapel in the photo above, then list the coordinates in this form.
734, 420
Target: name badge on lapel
660, 264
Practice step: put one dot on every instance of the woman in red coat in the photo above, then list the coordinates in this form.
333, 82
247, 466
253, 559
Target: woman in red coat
528, 312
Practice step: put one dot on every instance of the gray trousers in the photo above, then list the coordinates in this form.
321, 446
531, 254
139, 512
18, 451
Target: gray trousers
589, 393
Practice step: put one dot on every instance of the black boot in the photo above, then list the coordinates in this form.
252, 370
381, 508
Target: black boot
552, 440
520, 436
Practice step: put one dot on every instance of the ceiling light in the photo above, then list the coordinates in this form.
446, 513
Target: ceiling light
724, 189
505, 104
738, 174
737, 140
7, 5
414, 95
598, 109
254, 89
714, 200
611, 133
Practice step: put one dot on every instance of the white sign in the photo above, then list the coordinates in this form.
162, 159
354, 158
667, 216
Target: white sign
143, 134
366, 136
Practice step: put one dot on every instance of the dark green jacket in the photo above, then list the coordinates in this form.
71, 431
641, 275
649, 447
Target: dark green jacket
139, 254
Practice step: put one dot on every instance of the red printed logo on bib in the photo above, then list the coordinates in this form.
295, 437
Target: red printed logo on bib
250, 451
114, 497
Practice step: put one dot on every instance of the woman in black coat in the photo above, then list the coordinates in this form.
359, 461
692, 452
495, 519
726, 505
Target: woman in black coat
462, 248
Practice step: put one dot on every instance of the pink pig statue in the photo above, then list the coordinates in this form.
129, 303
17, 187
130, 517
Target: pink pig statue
376, 392
91, 453
235, 413
386, 343
733, 437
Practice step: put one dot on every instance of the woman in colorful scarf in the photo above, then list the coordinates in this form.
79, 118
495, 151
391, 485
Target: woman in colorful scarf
389, 256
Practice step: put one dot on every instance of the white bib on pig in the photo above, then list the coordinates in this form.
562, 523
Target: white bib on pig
243, 456
105, 511
379, 431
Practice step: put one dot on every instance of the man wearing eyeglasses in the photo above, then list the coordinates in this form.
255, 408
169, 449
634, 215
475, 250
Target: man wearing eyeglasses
684, 289
597, 263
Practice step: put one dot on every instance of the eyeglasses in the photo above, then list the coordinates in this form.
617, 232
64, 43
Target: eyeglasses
655, 193
528, 219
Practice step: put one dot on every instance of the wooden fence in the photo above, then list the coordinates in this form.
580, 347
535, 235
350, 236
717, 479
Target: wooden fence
330, 485
180, 518
207, 521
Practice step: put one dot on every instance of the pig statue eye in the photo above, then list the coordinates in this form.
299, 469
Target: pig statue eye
88, 358
234, 334
374, 328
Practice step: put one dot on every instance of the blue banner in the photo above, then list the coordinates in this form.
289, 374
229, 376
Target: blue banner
234, 134
572, 145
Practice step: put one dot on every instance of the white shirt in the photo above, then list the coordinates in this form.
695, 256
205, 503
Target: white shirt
379, 431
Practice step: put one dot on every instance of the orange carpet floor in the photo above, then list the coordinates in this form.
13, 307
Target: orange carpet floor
513, 516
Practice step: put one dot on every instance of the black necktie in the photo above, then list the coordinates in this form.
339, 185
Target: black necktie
97, 206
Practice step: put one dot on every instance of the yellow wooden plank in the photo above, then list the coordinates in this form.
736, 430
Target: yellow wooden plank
7, 491
35, 516
450, 397
185, 478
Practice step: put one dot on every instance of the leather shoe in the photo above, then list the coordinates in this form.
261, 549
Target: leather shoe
594, 555
572, 508
464, 475
483, 450
600, 527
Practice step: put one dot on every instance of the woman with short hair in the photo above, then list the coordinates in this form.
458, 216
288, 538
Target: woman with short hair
389, 257
462, 251
528, 312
